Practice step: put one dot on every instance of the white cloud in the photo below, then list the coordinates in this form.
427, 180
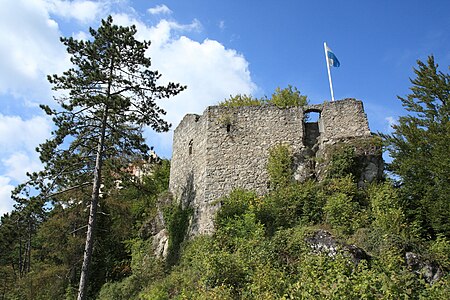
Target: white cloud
6, 203
18, 164
210, 71
17, 134
18, 139
81, 10
160, 9
81, 35
29, 49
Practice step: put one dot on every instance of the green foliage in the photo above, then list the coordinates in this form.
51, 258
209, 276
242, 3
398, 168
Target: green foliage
46, 283
385, 207
241, 100
146, 269
176, 219
279, 166
111, 94
291, 205
282, 98
288, 97
419, 146
439, 250
343, 162
244, 259
347, 158
107, 98
339, 211
288, 246
234, 205
260, 247
142, 194
345, 207
437, 291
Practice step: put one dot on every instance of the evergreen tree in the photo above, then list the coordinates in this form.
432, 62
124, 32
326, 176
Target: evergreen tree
420, 147
111, 95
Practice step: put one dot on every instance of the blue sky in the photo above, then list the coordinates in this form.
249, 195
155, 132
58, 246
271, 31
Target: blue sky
218, 48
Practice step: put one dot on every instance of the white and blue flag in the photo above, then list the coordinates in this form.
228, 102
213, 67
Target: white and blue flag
332, 59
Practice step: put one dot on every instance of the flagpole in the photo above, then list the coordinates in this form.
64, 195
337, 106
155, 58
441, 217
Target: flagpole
328, 68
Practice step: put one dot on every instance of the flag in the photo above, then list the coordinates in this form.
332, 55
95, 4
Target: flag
332, 59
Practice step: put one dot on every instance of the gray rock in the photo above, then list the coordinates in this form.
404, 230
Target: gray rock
429, 271
161, 244
323, 242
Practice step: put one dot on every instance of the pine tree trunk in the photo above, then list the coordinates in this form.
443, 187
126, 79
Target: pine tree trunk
93, 210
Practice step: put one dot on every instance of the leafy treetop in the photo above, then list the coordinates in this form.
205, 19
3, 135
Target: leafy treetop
420, 147
282, 98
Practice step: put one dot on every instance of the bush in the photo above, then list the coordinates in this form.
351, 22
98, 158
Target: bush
339, 211
234, 205
146, 269
288, 97
241, 100
279, 166
177, 221
291, 205
439, 250
343, 162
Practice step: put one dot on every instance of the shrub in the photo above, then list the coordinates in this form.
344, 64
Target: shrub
343, 162
241, 100
339, 211
279, 166
146, 269
291, 205
288, 97
234, 205
439, 250
176, 219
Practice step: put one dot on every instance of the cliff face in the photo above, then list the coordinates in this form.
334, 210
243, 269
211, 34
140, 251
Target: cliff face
227, 148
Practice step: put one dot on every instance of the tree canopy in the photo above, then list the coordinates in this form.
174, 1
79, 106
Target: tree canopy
108, 95
420, 147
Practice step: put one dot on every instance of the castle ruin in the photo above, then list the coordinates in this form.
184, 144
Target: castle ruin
227, 148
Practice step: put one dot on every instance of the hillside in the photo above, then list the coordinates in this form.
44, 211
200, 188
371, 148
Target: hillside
321, 238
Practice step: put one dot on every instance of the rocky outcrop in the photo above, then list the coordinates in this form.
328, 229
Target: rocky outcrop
428, 270
155, 228
161, 243
367, 163
323, 242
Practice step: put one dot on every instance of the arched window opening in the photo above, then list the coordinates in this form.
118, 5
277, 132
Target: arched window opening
311, 127
312, 117
191, 143
228, 127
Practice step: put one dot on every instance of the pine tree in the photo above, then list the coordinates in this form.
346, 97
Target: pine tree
420, 148
111, 95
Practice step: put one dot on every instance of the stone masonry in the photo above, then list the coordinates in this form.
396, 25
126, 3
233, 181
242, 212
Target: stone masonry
227, 148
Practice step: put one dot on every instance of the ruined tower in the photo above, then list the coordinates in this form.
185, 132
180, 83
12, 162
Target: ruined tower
227, 148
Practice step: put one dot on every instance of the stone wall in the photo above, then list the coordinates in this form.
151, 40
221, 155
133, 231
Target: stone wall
342, 119
227, 148
188, 165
